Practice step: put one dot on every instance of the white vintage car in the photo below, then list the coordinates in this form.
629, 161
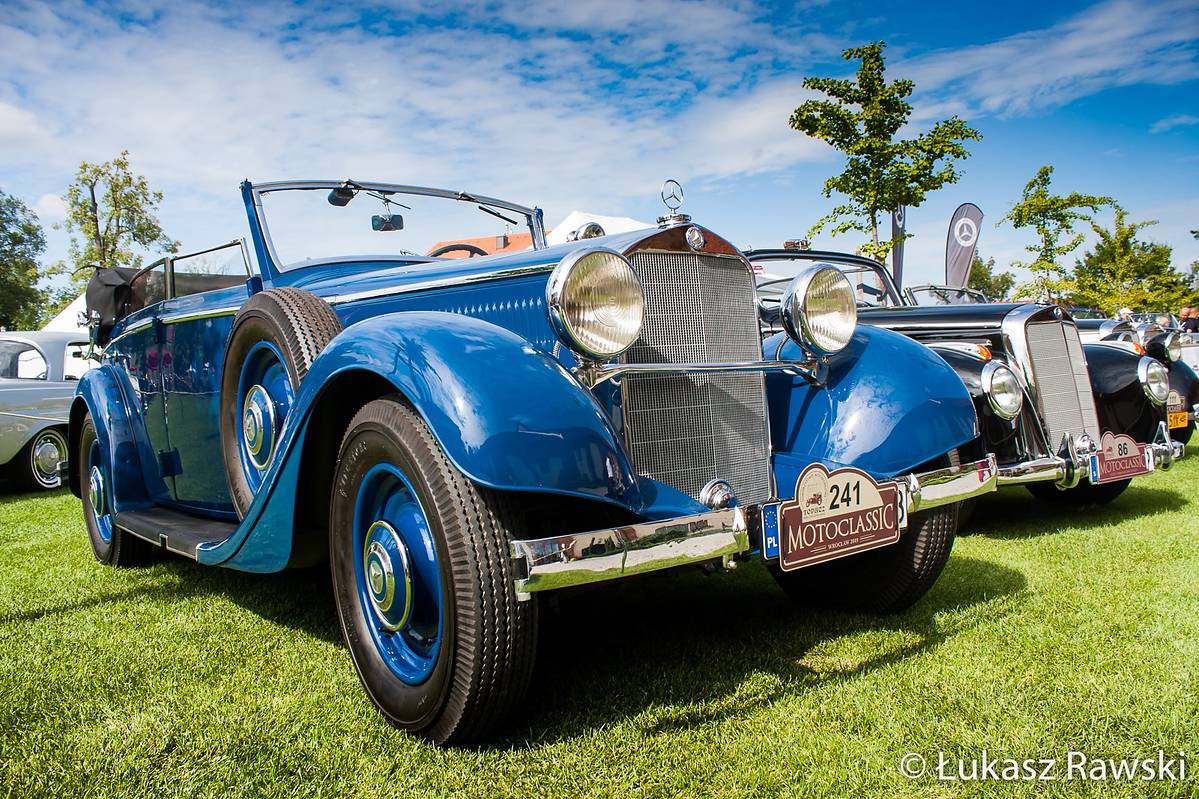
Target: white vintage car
38, 374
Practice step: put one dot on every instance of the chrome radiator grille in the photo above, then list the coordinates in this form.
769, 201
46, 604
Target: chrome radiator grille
685, 430
1063, 387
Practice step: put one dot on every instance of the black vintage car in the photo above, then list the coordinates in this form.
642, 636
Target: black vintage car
1073, 422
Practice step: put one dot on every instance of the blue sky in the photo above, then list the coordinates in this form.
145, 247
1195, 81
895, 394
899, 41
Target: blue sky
573, 104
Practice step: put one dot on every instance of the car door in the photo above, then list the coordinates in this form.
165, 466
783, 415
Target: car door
207, 289
137, 349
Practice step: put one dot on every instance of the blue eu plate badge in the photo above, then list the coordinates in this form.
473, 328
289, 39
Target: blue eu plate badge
770, 530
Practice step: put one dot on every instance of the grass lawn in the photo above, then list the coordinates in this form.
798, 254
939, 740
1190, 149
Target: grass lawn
1050, 631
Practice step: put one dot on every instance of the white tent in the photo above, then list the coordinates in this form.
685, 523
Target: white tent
67, 320
560, 232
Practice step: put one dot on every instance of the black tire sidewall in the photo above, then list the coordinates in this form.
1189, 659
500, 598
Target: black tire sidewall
102, 549
412, 707
24, 472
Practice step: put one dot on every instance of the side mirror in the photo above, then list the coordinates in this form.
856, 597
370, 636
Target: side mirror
387, 222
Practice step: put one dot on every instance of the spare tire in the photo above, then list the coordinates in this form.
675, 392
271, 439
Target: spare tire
276, 337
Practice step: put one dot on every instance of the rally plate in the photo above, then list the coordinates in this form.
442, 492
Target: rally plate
1176, 412
1119, 458
835, 514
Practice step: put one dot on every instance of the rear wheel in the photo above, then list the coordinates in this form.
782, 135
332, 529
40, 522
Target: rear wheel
36, 466
423, 579
110, 544
886, 580
1081, 495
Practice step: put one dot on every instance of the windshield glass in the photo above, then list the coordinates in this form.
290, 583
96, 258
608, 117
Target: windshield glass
1156, 318
945, 295
306, 226
774, 275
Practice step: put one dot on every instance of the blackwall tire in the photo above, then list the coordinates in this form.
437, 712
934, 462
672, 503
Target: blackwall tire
397, 499
275, 339
886, 580
111, 545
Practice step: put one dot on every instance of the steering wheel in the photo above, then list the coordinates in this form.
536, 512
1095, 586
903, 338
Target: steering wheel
458, 247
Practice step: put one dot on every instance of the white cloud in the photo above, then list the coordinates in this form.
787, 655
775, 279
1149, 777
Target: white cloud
19, 129
50, 208
1176, 121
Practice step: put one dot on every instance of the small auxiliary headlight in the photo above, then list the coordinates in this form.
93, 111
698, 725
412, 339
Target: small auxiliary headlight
595, 303
819, 310
1002, 389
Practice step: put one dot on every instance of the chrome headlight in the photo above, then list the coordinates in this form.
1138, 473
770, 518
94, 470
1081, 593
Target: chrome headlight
819, 310
1165, 347
1155, 379
1002, 389
595, 303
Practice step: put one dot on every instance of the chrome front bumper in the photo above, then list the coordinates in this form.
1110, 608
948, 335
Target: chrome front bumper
719, 535
1072, 464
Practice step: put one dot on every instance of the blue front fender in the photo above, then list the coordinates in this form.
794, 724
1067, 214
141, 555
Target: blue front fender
890, 405
508, 416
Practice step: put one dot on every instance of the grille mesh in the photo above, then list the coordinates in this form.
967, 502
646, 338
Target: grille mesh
686, 430
1063, 386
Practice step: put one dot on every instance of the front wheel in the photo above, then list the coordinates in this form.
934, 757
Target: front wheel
1081, 495
424, 583
885, 580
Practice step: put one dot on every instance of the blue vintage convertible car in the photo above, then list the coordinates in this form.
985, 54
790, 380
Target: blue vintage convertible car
457, 435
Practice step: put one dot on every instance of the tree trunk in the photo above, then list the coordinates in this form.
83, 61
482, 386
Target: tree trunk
97, 238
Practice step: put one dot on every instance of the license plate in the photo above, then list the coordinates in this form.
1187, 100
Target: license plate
1178, 419
835, 514
1119, 458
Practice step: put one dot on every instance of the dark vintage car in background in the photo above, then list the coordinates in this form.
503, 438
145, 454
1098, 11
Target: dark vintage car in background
458, 436
39, 371
1072, 422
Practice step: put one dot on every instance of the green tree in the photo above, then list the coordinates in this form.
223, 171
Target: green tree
997, 287
881, 172
1052, 216
21, 242
110, 211
1125, 271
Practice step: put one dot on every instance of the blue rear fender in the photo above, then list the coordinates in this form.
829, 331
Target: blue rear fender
121, 436
507, 415
889, 406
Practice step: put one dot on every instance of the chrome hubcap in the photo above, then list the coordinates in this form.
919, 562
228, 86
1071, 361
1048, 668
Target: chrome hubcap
388, 576
95, 491
258, 427
46, 456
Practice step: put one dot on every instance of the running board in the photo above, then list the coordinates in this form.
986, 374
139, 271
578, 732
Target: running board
178, 532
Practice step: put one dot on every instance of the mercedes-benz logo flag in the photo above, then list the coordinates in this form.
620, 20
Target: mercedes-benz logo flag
898, 224
964, 228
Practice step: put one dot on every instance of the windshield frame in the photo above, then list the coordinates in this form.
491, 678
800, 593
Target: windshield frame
909, 293
831, 257
255, 192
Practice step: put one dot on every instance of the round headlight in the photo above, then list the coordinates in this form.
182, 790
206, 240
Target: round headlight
1155, 379
1165, 347
1002, 389
819, 310
595, 303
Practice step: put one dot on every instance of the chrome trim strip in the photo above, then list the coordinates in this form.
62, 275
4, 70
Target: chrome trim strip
592, 376
141, 324
33, 417
600, 555
928, 490
191, 316
582, 558
437, 283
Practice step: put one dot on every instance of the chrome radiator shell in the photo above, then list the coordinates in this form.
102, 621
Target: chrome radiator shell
688, 429
1061, 384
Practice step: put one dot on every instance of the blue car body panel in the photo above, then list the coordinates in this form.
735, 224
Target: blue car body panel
889, 406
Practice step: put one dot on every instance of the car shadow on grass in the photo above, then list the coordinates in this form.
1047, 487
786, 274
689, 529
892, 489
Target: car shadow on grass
1014, 513
687, 650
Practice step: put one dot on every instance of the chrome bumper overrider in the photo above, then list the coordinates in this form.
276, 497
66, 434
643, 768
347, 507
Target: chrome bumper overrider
1072, 464
591, 557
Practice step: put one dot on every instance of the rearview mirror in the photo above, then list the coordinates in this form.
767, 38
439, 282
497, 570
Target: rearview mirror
387, 222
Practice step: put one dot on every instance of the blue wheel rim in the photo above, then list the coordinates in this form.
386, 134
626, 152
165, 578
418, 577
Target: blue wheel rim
264, 397
397, 574
99, 493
